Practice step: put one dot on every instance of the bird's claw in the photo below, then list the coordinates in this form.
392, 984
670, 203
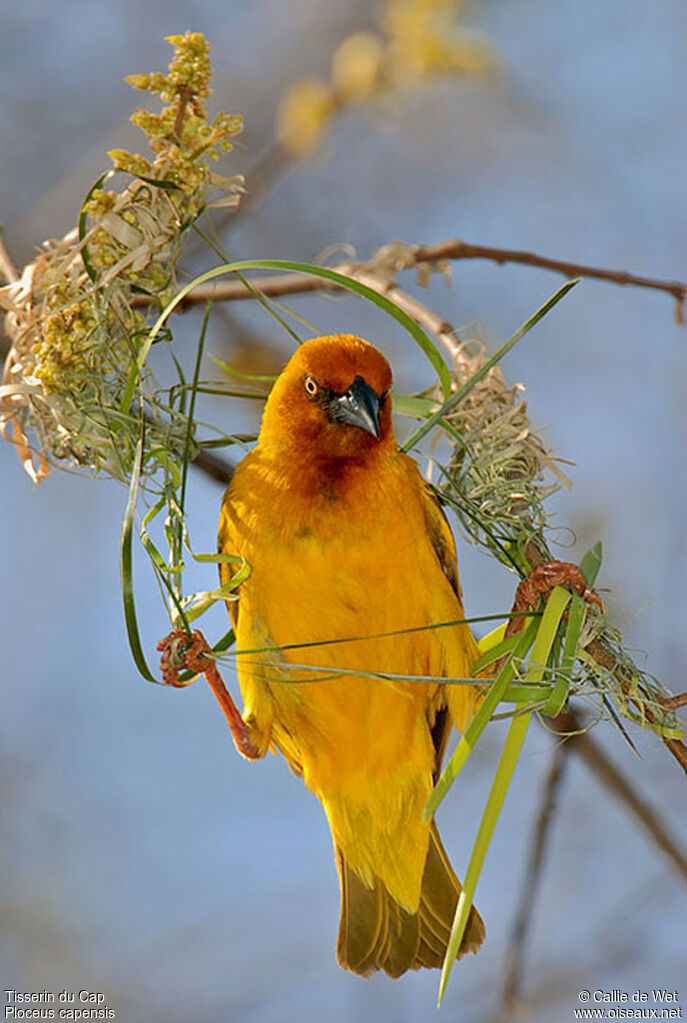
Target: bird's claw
178, 654
541, 581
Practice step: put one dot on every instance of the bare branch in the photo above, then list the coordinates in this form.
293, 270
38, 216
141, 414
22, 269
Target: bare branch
463, 250
297, 284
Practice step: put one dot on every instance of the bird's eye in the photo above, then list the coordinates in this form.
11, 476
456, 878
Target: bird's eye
311, 386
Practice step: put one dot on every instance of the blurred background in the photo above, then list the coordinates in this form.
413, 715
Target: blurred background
141, 857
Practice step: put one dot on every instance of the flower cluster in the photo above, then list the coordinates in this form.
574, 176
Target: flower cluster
80, 312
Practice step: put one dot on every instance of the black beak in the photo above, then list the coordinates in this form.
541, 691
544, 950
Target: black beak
359, 406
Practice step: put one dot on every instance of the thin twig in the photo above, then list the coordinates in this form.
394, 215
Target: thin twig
618, 785
673, 702
533, 872
456, 249
185, 96
296, 284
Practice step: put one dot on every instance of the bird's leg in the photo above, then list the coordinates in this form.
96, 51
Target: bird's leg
197, 657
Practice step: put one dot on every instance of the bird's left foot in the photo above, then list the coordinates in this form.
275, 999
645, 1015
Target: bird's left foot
541, 581
198, 657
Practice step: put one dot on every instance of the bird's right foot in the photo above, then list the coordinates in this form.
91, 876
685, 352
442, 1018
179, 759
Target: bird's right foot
198, 657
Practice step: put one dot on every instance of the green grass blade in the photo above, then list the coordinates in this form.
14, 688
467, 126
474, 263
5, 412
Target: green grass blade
546, 633
413, 405
192, 405
493, 653
518, 692
83, 224
559, 693
262, 378
479, 721
126, 570
497, 795
541, 649
389, 307
162, 570
591, 563
576, 619
458, 395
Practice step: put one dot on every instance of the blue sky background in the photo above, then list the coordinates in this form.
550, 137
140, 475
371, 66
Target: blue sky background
141, 856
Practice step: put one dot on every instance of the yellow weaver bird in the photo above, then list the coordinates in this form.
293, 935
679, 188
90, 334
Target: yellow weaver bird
351, 563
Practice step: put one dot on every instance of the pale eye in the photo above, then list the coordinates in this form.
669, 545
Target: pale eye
311, 386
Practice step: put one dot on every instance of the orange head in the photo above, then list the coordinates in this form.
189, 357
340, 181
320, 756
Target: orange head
331, 401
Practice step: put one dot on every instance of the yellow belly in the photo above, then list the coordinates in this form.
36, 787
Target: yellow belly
341, 617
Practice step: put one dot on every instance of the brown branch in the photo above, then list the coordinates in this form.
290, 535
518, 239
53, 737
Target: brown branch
234, 290
456, 249
673, 702
606, 659
618, 785
297, 284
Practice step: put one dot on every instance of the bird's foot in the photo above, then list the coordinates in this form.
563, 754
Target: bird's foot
538, 584
197, 656
178, 653
541, 581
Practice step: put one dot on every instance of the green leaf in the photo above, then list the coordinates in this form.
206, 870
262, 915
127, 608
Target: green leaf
480, 720
497, 795
517, 692
458, 395
413, 405
556, 604
126, 570
541, 649
493, 653
561, 688
591, 563
83, 223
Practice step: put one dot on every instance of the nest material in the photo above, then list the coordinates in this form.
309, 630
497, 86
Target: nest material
74, 343
497, 474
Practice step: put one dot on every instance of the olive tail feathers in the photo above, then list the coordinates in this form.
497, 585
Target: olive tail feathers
376, 933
